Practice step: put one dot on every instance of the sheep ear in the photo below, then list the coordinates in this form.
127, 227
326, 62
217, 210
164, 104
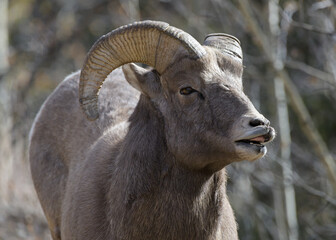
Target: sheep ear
134, 75
146, 81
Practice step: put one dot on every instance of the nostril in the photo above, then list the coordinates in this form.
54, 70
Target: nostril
256, 122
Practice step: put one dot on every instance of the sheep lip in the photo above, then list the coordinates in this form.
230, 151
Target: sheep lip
258, 136
256, 143
256, 140
250, 142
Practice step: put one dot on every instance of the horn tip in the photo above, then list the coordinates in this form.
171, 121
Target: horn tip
89, 110
222, 35
92, 116
226, 43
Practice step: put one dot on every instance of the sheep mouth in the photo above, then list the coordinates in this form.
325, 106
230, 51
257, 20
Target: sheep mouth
257, 138
258, 141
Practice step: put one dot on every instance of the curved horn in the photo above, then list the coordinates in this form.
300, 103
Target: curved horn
150, 42
226, 43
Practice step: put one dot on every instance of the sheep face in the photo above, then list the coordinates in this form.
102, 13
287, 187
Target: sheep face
209, 121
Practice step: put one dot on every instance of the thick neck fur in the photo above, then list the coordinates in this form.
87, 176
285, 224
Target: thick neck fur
152, 196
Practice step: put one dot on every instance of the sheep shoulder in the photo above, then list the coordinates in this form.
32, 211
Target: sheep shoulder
62, 137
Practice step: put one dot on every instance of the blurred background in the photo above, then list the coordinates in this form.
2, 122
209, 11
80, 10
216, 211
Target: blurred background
290, 74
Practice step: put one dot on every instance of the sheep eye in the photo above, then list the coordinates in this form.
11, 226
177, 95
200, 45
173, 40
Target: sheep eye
187, 91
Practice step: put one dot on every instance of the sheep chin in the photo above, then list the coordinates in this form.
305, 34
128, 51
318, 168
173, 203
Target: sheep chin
250, 152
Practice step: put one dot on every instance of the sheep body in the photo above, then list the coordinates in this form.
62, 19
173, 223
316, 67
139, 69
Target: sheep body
92, 160
151, 165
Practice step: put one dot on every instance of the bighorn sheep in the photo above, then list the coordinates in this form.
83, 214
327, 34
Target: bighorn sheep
151, 165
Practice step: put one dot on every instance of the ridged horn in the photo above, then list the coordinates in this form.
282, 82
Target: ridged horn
150, 42
226, 43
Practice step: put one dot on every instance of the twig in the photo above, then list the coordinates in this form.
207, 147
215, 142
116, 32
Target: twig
301, 183
312, 28
311, 71
306, 122
301, 24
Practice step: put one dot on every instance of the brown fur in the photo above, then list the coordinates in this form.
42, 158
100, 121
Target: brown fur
147, 170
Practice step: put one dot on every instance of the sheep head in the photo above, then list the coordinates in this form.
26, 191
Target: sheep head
197, 89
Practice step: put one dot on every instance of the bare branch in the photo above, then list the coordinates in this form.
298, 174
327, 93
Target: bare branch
305, 26
4, 65
311, 28
279, 48
301, 183
311, 71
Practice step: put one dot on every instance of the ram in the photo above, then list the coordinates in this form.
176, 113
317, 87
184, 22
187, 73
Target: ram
140, 153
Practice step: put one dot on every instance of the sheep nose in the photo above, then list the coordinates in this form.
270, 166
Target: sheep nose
258, 121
